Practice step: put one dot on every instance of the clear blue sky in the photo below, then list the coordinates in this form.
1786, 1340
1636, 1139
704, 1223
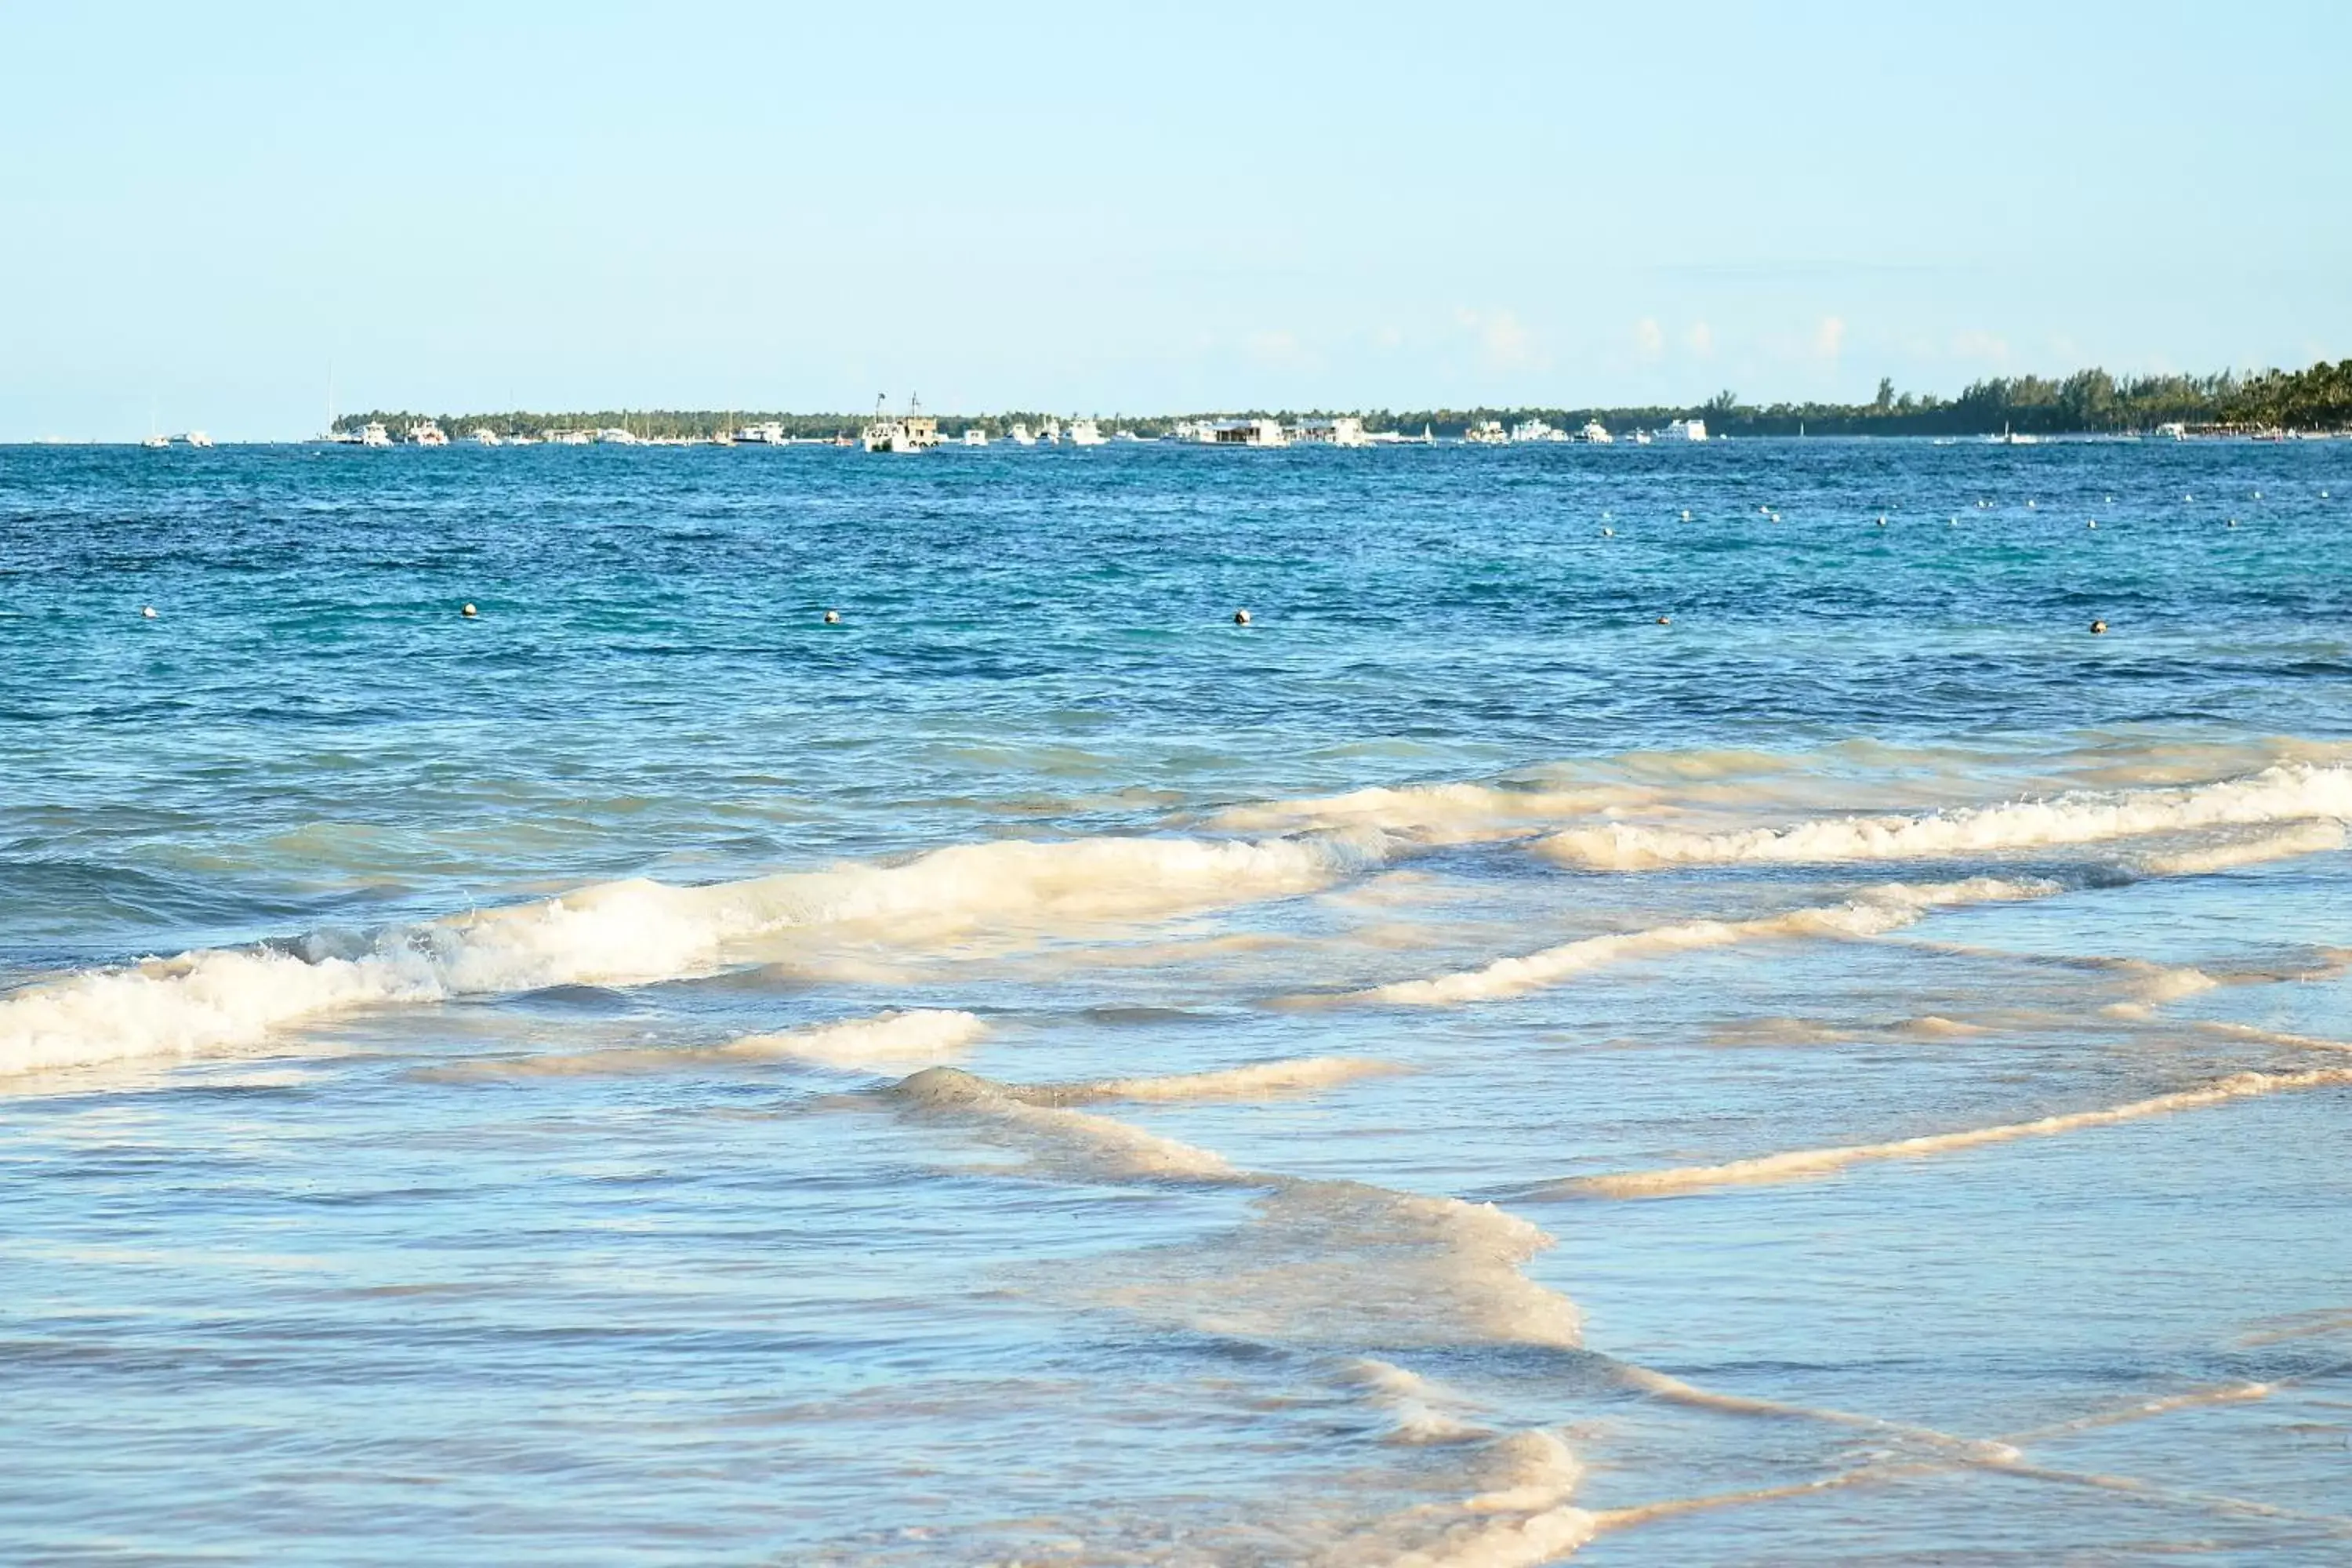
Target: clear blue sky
1180, 206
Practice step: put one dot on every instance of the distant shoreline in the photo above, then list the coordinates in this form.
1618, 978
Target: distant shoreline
2087, 403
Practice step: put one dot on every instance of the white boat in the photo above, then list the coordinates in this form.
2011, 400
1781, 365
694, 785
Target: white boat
1486, 433
1022, 438
1340, 430
1527, 430
425, 433
618, 438
1641, 437
375, 434
974, 435
1686, 430
521, 440
1596, 433
487, 437
1086, 433
198, 439
2173, 430
2009, 438
1241, 432
910, 432
155, 443
1051, 433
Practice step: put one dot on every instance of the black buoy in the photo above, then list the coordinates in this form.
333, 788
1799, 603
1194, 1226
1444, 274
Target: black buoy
2099, 629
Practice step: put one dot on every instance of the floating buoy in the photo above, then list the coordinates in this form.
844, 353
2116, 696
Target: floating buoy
2099, 629
1954, 524
2029, 506
146, 612
1241, 617
468, 612
2231, 524
1608, 533
832, 617
2258, 495
2092, 523
1666, 620
1686, 510
2188, 498
1882, 523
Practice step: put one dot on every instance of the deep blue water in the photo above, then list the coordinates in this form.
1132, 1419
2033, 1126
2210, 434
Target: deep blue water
378, 1230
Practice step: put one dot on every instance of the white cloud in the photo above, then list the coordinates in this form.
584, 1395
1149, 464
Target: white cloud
1829, 338
1699, 338
1649, 338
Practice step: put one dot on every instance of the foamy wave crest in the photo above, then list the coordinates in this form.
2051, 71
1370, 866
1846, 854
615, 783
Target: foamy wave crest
891, 1039
1805, 1164
1088, 1146
1439, 813
1257, 1080
1521, 1518
638, 931
1870, 913
2289, 792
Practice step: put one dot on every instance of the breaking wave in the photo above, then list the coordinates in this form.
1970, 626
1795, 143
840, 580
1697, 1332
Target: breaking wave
1870, 913
638, 932
1804, 1164
2289, 792
887, 1039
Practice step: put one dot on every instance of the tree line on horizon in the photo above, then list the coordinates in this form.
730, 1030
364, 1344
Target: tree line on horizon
2087, 402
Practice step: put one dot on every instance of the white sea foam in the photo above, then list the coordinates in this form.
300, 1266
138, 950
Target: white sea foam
1256, 1080
1439, 813
1094, 1147
1801, 1164
2289, 792
632, 932
894, 1039
1869, 913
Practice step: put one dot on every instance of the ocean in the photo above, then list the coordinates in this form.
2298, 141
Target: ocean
1655, 1006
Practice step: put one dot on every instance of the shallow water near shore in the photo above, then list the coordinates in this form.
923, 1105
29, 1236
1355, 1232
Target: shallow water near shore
1456, 1071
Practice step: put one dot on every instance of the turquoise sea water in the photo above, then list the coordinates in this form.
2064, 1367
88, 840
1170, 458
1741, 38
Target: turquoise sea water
1036, 1072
